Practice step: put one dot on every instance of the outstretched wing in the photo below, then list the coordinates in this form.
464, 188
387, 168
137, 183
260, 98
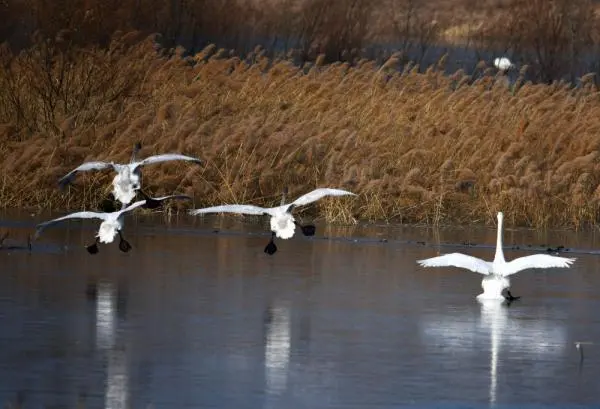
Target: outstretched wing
68, 178
535, 261
318, 194
457, 260
241, 209
132, 206
160, 199
165, 158
178, 197
79, 215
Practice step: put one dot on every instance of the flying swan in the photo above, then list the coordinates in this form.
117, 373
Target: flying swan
112, 223
496, 273
282, 221
127, 180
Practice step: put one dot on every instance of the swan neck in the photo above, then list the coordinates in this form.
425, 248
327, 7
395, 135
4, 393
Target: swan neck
499, 253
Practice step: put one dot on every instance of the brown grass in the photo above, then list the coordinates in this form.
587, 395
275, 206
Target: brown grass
416, 147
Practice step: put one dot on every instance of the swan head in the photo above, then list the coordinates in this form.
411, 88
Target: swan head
283, 225
108, 230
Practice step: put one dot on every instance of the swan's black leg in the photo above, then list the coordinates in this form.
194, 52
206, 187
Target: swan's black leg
512, 298
93, 248
271, 248
124, 245
307, 230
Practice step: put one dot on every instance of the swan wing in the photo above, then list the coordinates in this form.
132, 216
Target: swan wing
318, 194
79, 215
178, 197
68, 178
534, 261
165, 158
241, 209
457, 260
132, 206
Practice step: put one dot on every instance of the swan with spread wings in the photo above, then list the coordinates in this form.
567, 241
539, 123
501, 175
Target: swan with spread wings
496, 273
127, 181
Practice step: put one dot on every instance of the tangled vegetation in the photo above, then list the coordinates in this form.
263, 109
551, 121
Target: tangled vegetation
416, 147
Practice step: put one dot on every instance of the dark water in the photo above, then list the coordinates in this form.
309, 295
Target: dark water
199, 319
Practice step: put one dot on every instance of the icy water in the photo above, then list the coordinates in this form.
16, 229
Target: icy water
197, 316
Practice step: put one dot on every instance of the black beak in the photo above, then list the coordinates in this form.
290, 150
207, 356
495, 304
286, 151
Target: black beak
271, 248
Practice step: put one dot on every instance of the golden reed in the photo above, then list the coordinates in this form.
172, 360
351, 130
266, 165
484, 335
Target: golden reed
416, 147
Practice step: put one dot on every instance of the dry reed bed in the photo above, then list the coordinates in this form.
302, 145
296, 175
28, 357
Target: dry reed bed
416, 147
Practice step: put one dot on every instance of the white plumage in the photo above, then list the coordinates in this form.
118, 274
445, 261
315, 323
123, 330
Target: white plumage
496, 272
111, 222
127, 180
282, 221
503, 63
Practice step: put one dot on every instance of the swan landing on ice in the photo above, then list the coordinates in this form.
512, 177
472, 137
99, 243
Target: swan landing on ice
496, 273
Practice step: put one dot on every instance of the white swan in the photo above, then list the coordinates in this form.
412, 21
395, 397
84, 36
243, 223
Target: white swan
496, 272
127, 180
112, 224
282, 221
503, 63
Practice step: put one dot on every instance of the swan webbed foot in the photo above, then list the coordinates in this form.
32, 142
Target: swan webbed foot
92, 248
271, 248
510, 298
124, 245
308, 230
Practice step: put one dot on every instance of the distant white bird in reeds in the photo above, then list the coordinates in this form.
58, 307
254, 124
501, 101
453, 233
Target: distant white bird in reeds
503, 64
496, 272
127, 180
111, 226
282, 221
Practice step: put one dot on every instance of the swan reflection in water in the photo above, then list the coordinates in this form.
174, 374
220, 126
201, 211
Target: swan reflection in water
277, 348
117, 378
507, 335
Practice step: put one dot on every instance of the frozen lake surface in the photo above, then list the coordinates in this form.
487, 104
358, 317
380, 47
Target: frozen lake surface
198, 316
